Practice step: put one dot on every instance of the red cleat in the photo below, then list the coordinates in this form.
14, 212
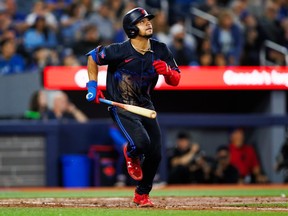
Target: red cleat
133, 166
142, 200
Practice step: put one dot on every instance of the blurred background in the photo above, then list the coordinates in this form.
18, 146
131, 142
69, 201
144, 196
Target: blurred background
226, 123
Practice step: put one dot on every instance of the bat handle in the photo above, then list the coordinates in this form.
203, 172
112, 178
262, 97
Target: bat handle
102, 100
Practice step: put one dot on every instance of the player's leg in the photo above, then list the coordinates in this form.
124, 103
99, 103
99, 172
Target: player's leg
152, 156
137, 137
144, 138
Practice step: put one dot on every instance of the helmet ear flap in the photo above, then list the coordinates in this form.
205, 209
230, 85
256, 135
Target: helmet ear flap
132, 31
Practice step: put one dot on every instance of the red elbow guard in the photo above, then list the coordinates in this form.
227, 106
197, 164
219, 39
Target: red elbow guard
173, 79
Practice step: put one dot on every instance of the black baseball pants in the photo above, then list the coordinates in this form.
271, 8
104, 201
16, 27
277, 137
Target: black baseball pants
144, 141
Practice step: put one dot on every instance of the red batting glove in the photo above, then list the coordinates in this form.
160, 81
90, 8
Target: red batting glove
162, 68
99, 94
172, 77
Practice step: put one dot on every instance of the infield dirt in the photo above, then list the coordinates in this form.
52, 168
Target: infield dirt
259, 203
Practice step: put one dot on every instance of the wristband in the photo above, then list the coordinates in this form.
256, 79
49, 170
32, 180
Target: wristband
91, 83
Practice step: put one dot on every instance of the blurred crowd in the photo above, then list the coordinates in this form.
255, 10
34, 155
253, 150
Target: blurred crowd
60, 108
235, 162
34, 34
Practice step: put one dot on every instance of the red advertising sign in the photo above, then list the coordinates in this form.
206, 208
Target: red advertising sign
192, 78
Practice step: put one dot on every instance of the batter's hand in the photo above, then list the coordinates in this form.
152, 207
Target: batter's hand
93, 93
162, 68
172, 77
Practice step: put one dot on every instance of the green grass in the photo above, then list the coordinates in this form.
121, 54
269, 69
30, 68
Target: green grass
125, 212
262, 205
129, 192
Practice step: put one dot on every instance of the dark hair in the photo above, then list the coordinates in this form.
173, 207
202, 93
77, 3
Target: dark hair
71, 9
4, 41
222, 148
45, 29
34, 103
89, 27
233, 129
183, 135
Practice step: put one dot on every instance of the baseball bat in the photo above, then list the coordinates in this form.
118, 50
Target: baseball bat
131, 108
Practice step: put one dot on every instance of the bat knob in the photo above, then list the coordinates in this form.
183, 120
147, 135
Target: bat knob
153, 115
89, 96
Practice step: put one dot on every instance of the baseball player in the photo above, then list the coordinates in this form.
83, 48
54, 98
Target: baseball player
133, 70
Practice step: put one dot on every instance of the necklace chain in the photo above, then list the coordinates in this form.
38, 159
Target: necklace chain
142, 50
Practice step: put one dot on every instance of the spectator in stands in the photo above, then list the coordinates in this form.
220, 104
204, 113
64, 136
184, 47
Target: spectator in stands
8, 34
72, 23
69, 58
239, 10
220, 60
161, 29
182, 45
269, 25
40, 9
202, 24
39, 36
103, 17
283, 10
224, 3
43, 57
282, 160
224, 172
204, 52
23, 7
206, 59
284, 25
10, 61
18, 18
12, 35
38, 107
252, 42
64, 110
245, 159
152, 5
90, 39
88, 7
118, 8
58, 7
201, 168
179, 159
5, 20
227, 38
186, 163
179, 10
201, 29
209, 6
256, 7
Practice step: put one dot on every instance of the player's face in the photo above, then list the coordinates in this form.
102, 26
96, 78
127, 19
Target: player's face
145, 28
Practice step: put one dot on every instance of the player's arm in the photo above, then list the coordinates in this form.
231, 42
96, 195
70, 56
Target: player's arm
172, 77
167, 66
92, 68
101, 55
93, 94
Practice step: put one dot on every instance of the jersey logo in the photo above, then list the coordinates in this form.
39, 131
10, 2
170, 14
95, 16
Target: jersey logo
102, 54
128, 60
142, 11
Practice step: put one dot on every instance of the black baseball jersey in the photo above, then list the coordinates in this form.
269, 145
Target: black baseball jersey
131, 75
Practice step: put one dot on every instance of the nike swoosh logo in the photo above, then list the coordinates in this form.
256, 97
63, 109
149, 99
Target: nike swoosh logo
128, 60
